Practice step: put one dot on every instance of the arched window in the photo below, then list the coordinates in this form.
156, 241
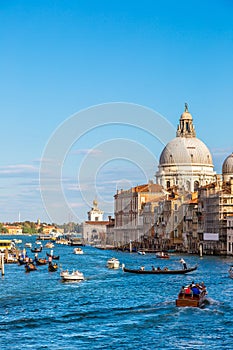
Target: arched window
196, 185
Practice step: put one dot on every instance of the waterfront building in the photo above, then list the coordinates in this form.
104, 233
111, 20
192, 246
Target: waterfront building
13, 229
215, 205
230, 235
128, 209
94, 229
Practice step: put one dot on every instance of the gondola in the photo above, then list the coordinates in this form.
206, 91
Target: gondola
52, 267
41, 261
55, 257
30, 267
36, 250
164, 271
23, 261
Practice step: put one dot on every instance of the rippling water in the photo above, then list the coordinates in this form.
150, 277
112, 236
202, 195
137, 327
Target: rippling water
112, 309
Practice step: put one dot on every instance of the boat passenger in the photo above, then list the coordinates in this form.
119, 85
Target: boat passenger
158, 268
195, 290
188, 291
153, 268
142, 268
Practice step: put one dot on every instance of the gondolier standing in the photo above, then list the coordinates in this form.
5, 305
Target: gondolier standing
183, 263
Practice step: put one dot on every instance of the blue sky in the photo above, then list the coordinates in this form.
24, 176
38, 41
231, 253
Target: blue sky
62, 57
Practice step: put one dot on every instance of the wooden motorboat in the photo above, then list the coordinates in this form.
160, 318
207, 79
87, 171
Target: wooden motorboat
54, 257
75, 275
191, 299
113, 263
78, 251
52, 267
30, 267
157, 271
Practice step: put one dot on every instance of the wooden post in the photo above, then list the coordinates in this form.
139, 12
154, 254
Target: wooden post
201, 248
2, 263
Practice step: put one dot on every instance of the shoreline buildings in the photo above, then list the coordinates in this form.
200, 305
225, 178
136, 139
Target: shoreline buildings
190, 208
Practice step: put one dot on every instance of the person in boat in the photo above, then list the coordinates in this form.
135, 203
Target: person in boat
182, 291
182, 261
142, 268
153, 268
195, 290
158, 268
188, 291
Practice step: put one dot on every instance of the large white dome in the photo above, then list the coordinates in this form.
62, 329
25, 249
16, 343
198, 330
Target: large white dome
182, 150
186, 161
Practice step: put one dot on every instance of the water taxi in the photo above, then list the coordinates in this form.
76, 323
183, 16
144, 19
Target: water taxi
191, 296
6, 244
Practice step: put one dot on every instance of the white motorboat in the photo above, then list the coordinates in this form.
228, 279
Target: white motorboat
75, 275
28, 245
78, 251
113, 263
141, 252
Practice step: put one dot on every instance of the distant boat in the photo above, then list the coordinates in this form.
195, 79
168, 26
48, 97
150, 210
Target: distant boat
113, 263
36, 250
141, 252
162, 255
28, 245
78, 251
30, 267
72, 277
164, 271
52, 267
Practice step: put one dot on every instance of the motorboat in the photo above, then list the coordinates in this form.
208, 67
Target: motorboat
113, 263
49, 245
162, 255
28, 245
78, 251
141, 252
187, 297
75, 275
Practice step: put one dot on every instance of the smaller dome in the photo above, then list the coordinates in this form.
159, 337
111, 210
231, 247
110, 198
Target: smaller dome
227, 167
186, 115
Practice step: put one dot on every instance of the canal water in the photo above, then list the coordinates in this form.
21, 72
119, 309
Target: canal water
111, 309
